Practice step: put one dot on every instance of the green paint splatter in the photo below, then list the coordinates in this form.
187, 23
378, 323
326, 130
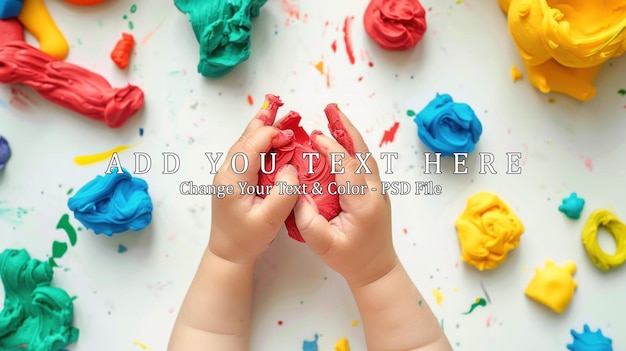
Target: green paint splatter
100, 23
70, 191
133, 8
410, 113
80, 42
420, 302
125, 17
174, 73
58, 249
479, 302
52, 262
622, 92
131, 26
80, 229
64, 223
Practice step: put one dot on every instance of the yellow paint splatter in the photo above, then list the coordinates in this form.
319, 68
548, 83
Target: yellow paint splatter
320, 67
355, 323
459, 2
551, 100
342, 345
265, 104
103, 156
516, 74
455, 289
142, 345
438, 296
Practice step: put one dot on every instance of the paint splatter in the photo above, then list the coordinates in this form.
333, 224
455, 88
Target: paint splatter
438, 296
121, 248
250, 100
70, 191
390, 134
140, 132
280, 322
131, 26
420, 302
334, 46
310, 345
12, 215
342, 345
142, 345
58, 249
64, 223
551, 100
133, 8
482, 286
405, 231
588, 164
3, 104
622, 92
292, 9
488, 321
479, 302
319, 66
99, 157
347, 38
150, 34
410, 113
355, 323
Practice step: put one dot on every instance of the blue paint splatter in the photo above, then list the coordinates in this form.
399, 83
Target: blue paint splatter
5, 152
590, 341
3, 104
140, 131
121, 249
572, 206
310, 345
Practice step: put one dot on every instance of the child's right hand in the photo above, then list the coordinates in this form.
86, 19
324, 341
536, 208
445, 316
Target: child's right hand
357, 243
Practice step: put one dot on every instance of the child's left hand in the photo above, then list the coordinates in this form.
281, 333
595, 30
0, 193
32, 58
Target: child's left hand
243, 226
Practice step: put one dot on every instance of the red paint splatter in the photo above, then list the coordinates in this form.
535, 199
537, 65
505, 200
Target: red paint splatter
360, 78
488, 322
280, 322
292, 9
405, 231
371, 64
334, 46
250, 100
508, 131
525, 158
347, 37
390, 134
588, 164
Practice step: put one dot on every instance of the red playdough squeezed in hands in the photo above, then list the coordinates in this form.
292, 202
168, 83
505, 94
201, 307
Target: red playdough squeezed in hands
292, 153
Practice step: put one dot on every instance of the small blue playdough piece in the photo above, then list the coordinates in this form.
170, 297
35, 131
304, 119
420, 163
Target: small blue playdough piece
121, 248
10, 8
310, 345
448, 127
572, 206
113, 203
590, 341
5, 151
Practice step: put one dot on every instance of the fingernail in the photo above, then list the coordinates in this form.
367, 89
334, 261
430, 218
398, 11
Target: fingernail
316, 132
287, 132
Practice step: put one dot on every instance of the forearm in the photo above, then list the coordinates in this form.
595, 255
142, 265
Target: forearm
396, 317
215, 314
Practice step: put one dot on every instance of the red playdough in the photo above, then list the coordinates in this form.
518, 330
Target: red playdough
328, 205
395, 24
122, 50
62, 83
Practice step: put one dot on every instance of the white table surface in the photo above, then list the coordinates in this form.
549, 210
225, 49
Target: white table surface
467, 52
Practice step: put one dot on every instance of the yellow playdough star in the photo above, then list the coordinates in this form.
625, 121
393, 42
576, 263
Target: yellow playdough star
553, 286
564, 43
37, 20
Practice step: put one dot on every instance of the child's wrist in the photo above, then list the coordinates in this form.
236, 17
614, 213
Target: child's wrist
383, 270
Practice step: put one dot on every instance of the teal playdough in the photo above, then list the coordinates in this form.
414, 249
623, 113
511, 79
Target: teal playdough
222, 29
572, 206
36, 316
590, 341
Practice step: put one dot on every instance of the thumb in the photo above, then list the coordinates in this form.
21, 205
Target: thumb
278, 204
314, 228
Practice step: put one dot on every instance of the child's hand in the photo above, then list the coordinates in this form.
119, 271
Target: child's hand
243, 226
357, 243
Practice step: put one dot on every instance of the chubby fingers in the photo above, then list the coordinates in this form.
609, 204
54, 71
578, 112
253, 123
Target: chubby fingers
275, 208
314, 228
327, 147
266, 115
342, 129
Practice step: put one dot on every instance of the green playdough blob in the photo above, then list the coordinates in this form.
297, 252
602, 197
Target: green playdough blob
36, 316
223, 31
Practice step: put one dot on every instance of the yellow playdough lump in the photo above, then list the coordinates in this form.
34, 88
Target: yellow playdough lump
342, 345
616, 228
487, 230
37, 20
563, 43
553, 286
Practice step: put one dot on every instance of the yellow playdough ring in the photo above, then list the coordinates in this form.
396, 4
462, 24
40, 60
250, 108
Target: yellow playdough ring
616, 228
